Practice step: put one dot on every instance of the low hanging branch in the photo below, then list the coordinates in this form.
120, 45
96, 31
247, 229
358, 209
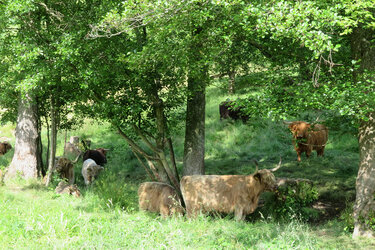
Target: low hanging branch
135, 146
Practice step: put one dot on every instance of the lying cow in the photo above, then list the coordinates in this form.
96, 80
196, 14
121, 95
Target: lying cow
226, 193
66, 188
65, 168
159, 198
307, 137
228, 109
4, 147
98, 155
90, 170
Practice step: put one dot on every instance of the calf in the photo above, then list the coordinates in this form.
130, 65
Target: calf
226, 193
160, 198
90, 170
307, 137
98, 155
4, 147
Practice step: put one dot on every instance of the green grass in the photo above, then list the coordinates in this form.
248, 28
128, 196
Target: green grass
107, 216
34, 217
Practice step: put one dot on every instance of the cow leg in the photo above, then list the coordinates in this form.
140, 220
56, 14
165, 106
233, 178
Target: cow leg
239, 214
164, 211
308, 152
320, 151
298, 155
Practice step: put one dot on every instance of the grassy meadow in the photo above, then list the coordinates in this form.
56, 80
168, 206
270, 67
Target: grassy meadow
107, 217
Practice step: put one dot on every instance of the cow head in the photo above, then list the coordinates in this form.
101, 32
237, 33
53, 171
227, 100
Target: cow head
299, 129
102, 150
63, 164
266, 177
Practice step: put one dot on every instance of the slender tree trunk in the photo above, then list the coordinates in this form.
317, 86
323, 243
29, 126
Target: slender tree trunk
48, 141
231, 82
41, 170
363, 49
25, 160
52, 152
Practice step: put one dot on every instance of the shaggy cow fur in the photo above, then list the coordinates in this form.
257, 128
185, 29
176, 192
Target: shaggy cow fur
98, 155
227, 109
65, 168
160, 198
4, 147
65, 188
90, 170
307, 137
226, 193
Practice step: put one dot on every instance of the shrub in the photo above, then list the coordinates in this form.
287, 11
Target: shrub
294, 202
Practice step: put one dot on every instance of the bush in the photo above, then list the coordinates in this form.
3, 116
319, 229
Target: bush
294, 202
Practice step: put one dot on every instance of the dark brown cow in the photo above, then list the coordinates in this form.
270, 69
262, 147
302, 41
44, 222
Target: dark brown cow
226, 193
159, 198
228, 109
4, 147
307, 137
98, 155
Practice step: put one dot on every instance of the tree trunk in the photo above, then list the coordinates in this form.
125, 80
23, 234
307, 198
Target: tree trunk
25, 160
194, 146
365, 184
364, 206
231, 81
52, 152
195, 128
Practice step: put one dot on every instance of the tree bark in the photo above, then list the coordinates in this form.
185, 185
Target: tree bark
231, 82
194, 147
52, 152
365, 184
25, 159
364, 206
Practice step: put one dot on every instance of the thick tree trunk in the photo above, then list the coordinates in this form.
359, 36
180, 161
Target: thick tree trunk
25, 159
363, 50
365, 184
194, 147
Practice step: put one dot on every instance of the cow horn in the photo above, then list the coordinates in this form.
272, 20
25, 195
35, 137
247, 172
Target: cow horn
79, 155
256, 164
287, 122
277, 167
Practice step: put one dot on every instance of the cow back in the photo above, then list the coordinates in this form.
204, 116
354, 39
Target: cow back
97, 155
221, 193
